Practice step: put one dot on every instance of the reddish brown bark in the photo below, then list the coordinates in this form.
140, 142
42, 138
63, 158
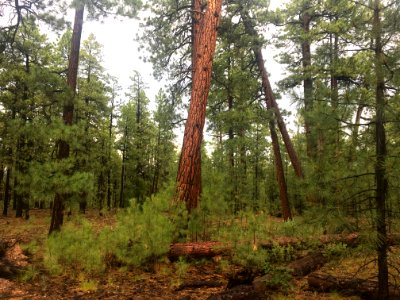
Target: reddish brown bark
189, 171
197, 250
280, 174
68, 112
271, 104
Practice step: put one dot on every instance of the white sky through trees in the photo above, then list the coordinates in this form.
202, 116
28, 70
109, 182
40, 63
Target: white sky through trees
121, 55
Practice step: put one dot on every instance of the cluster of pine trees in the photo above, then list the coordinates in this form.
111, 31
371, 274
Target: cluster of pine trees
117, 148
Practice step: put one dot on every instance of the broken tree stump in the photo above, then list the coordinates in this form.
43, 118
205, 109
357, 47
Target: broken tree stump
197, 250
367, 289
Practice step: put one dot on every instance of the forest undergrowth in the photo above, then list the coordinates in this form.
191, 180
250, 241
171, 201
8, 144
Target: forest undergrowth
122, 255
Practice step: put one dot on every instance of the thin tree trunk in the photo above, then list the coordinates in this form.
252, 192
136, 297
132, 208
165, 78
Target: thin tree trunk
68, 112
121, 191
189, 170
7, 192
110, 127
249, 27
156, 175
279, 171
281, 124
380, 176
354, 133
307, 83
1, 182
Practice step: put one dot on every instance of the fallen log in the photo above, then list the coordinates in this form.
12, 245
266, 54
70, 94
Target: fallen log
200, 284
351, 240
350, 286
209, 249
240, 292
197, 250
307, 264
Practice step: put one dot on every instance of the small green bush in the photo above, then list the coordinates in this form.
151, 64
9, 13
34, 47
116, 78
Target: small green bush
75, 247
279, 277
142, 234
333, 250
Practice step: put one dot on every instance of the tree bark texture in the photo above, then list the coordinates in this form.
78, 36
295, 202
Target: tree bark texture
381, 153
68, 112
197, 250
189, 170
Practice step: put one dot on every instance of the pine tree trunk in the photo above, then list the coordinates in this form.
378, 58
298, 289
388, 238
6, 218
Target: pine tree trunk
68, 111
1, 182
122, 183
7, 192
156, 175
123, 168
279, 170
110, 127
381, 153
249, 27
307, 83
19, 171
281, 124
204, 42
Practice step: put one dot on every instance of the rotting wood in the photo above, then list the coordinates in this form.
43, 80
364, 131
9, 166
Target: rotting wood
346, 285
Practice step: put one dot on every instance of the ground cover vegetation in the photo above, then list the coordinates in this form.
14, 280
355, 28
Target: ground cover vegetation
98, 201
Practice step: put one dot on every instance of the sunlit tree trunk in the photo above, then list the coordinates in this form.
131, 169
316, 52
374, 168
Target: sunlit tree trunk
204, 42
380, 171
68, 111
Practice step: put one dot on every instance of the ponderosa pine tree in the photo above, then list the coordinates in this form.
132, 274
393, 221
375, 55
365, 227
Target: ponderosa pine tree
381, 178
95, 9
189, 170
63, 148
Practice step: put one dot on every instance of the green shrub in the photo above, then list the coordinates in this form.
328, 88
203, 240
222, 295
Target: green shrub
279, 277
142, 233
336, 250
75, 247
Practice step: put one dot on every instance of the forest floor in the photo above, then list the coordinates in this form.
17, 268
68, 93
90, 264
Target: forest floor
162, 282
